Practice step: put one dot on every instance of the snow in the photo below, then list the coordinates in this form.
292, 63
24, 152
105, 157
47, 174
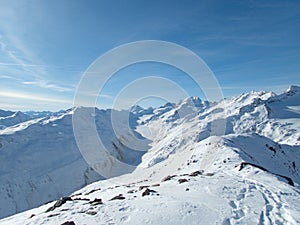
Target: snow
5, 113
229, 196
13, 119
245, 152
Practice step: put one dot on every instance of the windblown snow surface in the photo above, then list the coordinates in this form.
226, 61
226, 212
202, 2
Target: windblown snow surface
186, 173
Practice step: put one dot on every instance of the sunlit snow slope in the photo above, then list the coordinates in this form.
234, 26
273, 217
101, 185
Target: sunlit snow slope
247, 175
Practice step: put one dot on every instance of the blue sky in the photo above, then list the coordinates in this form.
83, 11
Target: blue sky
47, 45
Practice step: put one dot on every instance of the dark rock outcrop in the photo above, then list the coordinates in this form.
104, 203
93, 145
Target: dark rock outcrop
148, 192
68, 223
118, 197
183, 180
196, 173
96, 201
59, 203
168, 178
143, 187
92, 213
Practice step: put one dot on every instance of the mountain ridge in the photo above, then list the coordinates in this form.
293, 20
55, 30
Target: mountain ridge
259, 128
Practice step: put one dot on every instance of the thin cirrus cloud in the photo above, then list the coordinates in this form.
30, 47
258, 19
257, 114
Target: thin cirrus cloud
44, 84
20, 61
8, 77
36, 72
18, 64
27, 96
21, 66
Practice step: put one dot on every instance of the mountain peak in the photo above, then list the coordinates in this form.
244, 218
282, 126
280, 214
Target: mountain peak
195, 144
293, 89
136, 109
193, 100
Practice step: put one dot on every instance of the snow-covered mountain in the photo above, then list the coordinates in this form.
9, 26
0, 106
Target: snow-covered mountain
9, 118
40, 161
5, 113
231, 162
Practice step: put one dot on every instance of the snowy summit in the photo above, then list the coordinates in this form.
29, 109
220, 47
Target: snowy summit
195, 162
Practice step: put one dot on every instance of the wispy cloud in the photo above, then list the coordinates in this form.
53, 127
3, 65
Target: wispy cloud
17, 54
8, 77
27, 96
47, 85
36, 74
18, 64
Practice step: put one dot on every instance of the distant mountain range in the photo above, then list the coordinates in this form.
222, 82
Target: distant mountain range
230, 162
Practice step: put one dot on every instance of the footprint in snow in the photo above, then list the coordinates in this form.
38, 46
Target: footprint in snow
232, 204
241, 195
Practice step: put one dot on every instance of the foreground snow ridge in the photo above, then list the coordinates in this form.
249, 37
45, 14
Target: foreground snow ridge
184, 175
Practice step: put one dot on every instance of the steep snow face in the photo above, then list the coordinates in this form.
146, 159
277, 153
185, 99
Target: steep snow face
274, 116
257, 145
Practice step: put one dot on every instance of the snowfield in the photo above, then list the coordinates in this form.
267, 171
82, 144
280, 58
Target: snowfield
232, 162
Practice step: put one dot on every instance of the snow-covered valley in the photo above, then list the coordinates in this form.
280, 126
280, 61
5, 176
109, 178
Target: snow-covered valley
232, 162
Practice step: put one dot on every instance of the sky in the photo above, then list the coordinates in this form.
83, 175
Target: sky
46, 46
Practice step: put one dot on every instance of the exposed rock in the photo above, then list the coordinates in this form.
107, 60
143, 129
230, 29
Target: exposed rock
32, 215
141, 181
183, 180
91, 213
209, 174
143, 187
68, 223
76, 194
185, 174
96, 201
81, 199
59, 203
63, 210
118, 197
271, 148
196, 173
90, 192
148, 192
168, 178
52, 215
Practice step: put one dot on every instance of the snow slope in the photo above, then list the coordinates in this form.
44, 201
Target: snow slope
40, 161
232, 162
220, 193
